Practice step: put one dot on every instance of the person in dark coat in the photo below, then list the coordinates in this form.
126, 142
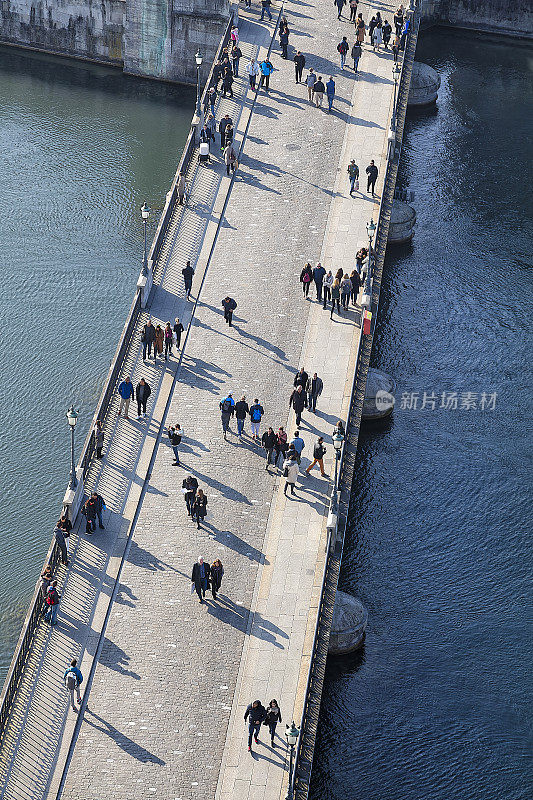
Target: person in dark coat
340, 5
281, 446
314, 390
59, 536
273, 716
297, 401
255, 714
268, 441
227, 83
148, 340
301, 378
190, 485
99, 506
299, 64
216, 573
89, 510
372, 175
354, 277
199, 507
284, 41
222, 125
242, 409
306, 276
318, 277
169, 340
188, 274
178, 330
142, 393
229, 305
200, 578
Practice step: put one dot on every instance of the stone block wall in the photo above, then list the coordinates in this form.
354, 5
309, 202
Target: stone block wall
91, 29
511, 17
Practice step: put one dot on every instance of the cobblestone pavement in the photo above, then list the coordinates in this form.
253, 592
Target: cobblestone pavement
173, 674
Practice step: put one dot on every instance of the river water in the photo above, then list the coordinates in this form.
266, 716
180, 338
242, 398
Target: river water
81, 148
437, 704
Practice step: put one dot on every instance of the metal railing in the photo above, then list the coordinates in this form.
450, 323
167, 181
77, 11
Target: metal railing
35, 610
311, 709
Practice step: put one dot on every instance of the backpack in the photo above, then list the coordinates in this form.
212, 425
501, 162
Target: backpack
226, 406
51, 598
71, 680
256, 414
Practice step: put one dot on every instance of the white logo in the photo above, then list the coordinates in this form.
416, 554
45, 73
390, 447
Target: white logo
384, 400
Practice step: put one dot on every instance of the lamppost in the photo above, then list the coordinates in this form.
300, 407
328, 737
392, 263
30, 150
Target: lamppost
370, 229
396, 69
338, 439
145, 213
72, 418
291, 734
199, 60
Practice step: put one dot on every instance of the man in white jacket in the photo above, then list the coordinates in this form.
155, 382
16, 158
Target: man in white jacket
252, 68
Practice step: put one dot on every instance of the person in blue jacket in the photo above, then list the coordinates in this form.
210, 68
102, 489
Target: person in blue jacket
330, 92
126, 392
266, 68
73, 680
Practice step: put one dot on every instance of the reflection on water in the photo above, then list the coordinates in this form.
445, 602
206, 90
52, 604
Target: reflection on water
436, 706
81, 147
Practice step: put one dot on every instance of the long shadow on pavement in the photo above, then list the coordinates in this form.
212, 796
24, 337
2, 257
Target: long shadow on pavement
123, 741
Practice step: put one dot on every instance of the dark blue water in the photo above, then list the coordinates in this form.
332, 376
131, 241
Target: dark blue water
81, 148
438, 703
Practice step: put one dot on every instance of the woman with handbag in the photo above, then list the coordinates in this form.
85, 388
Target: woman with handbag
217, 571
199, 507
290, 473
273, 716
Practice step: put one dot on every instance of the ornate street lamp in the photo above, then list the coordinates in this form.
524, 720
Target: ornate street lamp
198, 58
291, 734
338, 440
72, 418
145, 214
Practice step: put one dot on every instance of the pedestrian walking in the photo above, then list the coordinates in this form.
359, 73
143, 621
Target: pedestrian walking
159, 341
227, 83
230, 159
284, 41
306, 276
46, 579
310, 82
178, 330
398, 21
319, 451
330, 92
346, 291
318, 92
216, 573
142, 393
234, 35
372, 174
353, 176
99, 507
182, 188
297, 444
300, 379
356, 55
227, 409
371, 25
229, 305
52, 601
189, 488
256, 414
340, 5
335, 296
281, 446
377, 38
169, 340
174, 434
89, 512
318, 277
199, 507
148, 340
299, 64
395, 49
273, 716
269, 442
200, 578
361, 28
222, 125
354, 279
98, 438
265, 9
266, 69
290, 472
297, 401
326, 287
405, 31
252, 68
353, 11
343, 48
236, 55
314, 389
210, 100
188, 274
255, 714
73, 680
211, 127
241, 411
228, 135
387, 33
